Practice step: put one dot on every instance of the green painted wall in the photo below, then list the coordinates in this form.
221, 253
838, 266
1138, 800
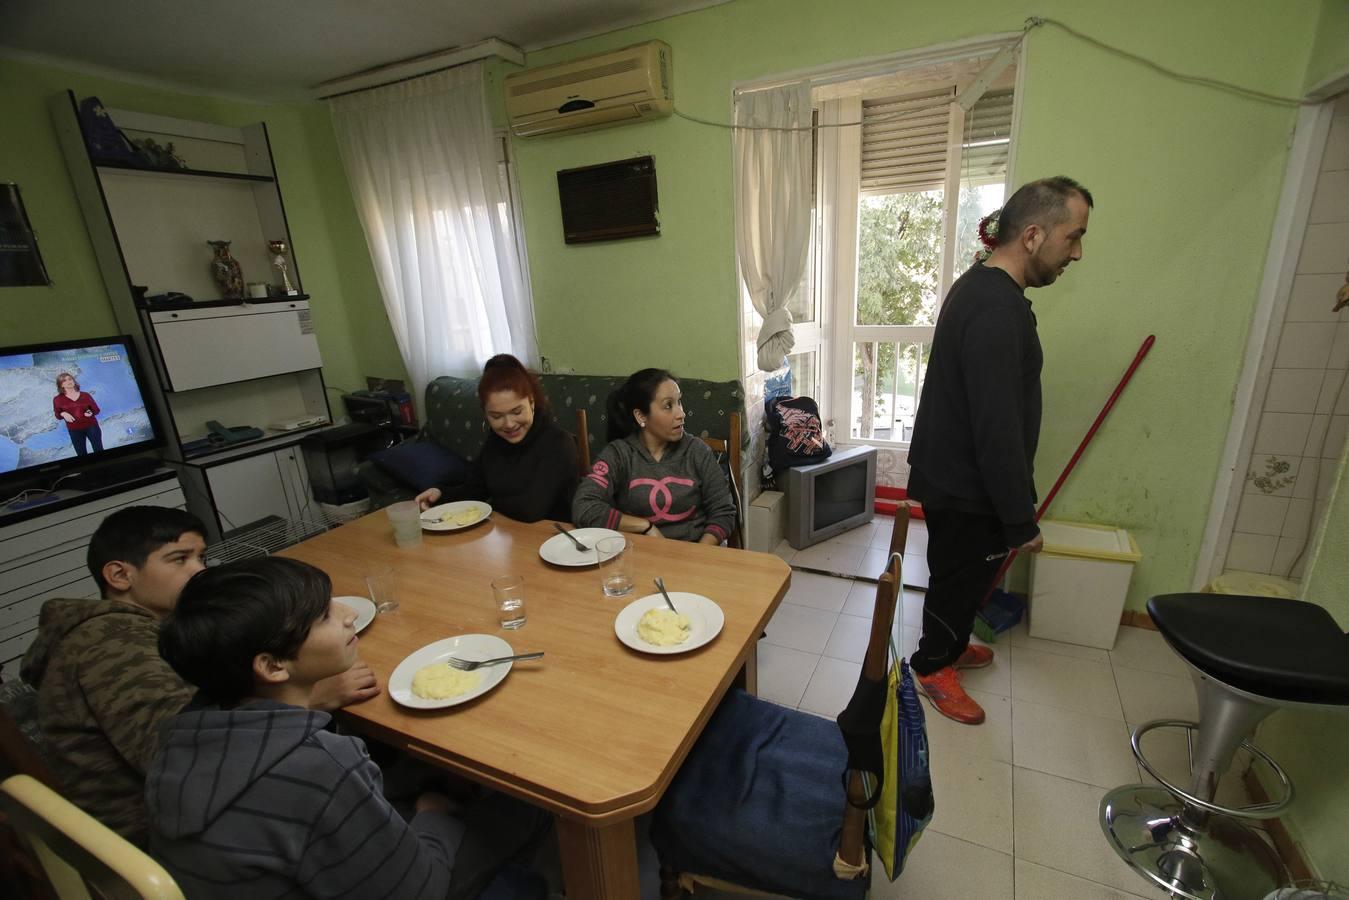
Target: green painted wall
1330, 53
1186, 181
354, 334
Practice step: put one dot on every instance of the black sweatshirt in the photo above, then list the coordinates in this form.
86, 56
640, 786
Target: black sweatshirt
528, 481
978, 420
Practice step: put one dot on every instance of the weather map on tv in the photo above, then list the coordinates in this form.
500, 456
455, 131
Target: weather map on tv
66, 402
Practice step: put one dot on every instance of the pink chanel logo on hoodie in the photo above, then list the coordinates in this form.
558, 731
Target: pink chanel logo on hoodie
661, 499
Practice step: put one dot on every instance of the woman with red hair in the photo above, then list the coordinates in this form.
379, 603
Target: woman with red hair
527, 466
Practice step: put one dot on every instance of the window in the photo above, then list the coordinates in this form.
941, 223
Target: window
899, 206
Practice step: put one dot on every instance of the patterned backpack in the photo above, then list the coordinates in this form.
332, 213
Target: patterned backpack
795, 434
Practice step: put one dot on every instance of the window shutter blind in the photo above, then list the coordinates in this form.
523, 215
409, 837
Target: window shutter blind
904, 142
988, 134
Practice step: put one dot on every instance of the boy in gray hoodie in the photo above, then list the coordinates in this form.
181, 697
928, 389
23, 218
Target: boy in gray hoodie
252, 791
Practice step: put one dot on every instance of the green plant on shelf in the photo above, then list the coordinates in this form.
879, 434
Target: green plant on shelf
1274, 478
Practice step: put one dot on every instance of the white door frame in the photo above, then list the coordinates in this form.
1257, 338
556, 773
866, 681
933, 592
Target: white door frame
1290, 225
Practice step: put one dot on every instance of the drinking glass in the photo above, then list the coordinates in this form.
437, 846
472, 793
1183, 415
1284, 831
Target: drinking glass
509, 593
406, 517
614, 555
383, 590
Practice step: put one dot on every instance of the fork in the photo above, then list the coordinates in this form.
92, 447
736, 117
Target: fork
571, 537
660, 583
468, 665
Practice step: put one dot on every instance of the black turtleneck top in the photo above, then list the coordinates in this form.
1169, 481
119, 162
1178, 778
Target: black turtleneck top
528, 481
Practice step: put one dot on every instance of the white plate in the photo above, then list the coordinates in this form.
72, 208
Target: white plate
465, 646
365, 610
705, 621
561, 552
483, 509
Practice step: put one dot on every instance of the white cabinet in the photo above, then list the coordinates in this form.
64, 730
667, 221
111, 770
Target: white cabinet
270, 484
222, 345
43, 555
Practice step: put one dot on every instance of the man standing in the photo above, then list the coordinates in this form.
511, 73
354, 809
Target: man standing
978, 424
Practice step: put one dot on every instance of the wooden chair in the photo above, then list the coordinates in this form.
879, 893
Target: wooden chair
81, 856
582, 443
730, 446
20, 756
700, 829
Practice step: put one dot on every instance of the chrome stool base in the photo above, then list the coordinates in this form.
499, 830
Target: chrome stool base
1220, 860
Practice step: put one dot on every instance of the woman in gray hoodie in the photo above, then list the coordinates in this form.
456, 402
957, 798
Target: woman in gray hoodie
652, 477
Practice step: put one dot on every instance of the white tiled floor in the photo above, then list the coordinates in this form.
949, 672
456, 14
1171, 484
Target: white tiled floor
1017, 796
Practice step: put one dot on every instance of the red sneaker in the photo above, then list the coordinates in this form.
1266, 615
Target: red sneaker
976, 656
943, 689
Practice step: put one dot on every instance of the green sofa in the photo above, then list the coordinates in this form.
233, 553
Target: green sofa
454, 420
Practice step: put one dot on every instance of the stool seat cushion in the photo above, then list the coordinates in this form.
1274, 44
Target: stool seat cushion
1267, 646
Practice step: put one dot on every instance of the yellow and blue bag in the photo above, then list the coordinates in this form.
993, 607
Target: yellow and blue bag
906, 802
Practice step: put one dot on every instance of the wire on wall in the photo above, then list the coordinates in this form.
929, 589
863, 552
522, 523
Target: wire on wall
1032, 23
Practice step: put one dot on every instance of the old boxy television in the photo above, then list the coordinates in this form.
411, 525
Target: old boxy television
109, 417
831, 497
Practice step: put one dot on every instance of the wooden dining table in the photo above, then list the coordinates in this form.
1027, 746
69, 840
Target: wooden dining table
594, 731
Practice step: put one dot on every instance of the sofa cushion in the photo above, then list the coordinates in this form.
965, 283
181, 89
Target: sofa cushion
422, 464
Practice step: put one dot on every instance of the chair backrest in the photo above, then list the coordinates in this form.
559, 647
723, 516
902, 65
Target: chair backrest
730, 445
77, 851
875, 668
582, 443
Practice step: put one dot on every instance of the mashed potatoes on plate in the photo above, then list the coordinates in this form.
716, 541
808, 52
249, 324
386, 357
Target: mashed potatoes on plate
462, 517
439, 681
663, 627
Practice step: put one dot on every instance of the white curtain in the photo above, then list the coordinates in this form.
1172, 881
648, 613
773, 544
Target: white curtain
434, 203
772, 201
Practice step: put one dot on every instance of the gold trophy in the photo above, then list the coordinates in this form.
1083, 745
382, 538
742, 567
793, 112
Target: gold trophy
279, 250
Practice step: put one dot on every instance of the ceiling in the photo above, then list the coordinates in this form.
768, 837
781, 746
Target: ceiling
277, 50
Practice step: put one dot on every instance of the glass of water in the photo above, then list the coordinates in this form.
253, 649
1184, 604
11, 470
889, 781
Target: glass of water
509, 593
615, 558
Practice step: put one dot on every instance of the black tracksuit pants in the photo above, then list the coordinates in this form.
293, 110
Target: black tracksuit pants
958, 544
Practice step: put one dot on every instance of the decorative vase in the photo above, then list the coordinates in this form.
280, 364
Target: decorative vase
226, 271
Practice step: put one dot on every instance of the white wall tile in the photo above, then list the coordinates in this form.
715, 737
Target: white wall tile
1261, 514
1331, 379
1267, 467
1296, 521
1313, 298
1337, 145
1251, 552
1339, 349
1284, 556
1325, 249
1308, 467
1295, 390
1283, 434
1304, 345
1330, 202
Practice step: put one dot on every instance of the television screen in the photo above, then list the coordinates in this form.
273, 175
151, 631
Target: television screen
70, 401
840, 494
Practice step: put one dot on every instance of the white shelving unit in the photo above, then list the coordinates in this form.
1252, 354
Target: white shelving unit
239, 362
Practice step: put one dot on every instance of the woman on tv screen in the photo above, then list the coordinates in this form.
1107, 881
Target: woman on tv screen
79, 411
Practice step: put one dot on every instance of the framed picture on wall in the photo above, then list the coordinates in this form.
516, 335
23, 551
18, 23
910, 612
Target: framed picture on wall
20, 262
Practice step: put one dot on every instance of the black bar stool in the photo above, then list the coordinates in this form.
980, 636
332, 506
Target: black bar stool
1248, 656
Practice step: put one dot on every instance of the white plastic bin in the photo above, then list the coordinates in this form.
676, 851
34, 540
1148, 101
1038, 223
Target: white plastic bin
1079, 582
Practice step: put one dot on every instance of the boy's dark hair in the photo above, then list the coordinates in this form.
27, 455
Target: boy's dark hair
229, 614
635, 393
130, 535
1043, 203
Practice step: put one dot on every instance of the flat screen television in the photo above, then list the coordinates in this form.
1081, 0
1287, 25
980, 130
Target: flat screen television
99, 411
829, 498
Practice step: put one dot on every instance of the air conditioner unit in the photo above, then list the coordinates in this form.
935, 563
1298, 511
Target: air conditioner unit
609, 89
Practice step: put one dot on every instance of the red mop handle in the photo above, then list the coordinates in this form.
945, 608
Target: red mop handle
1081, 448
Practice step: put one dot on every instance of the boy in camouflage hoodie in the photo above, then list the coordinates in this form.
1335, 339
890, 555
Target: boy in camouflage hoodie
103, 689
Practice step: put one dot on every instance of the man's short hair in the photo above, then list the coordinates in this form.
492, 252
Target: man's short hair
130, 535
229, 614
1043, 203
